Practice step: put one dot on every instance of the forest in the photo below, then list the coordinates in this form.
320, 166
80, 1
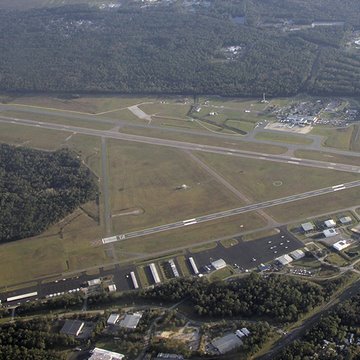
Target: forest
38, 188
32, 340
277, 298
335, 337
173, 48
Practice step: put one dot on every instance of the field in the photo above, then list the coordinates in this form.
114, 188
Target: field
27, 4
285, 138
328, 157
145, 183
264, 180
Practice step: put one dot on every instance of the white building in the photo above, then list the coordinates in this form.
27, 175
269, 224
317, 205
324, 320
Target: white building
297, 254
154, 273
134, 280
330, 233
218, 264
330, 223
101, 354
94, 282
345, 220
284, 259
307, 227
341, 245
113, 318
193, 265
131, 321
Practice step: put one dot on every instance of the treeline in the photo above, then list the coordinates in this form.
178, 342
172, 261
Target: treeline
39, 188
280, 298
32, 340
335, 336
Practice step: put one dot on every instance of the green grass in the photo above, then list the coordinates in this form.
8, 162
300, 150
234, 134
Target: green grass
204, 247
260, 234
168, 110
336, 138
311, 207
146, 177
233, 143
259, 179
227, 243
336, 259
328, 157
181, 260
221, 274
284, 138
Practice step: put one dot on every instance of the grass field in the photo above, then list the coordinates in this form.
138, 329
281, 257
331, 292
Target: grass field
189, 237
28, 4
328, 157
307, 208
284, 138
147, 178
337, 138
169, 110
55, 118
84, 104
233, 143
264, 180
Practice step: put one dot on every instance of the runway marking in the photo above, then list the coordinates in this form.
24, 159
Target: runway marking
293, 162
341, 188
190, 223
337, 186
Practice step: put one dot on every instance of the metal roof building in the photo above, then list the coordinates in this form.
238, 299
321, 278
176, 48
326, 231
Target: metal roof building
131, 321
72, 327
297, 254
218, 264
284, 259
341, 245
101, 354
226, 343
330, 223
330, 232
193, 265
345, 220
307, 226
134, 280
113, 318
154, 273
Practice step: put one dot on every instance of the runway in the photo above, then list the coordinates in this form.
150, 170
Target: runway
183, 145
232, 212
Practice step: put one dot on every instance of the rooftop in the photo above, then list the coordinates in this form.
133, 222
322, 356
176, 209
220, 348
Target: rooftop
72, 327
227, 343
130, 321
101, 354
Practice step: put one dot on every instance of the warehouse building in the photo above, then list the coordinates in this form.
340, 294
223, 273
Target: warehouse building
297, 254
284, 260
341, 245
134, 280
218, 264
131, 321
330, 233
101, 354
72, 327
345, 220
306, 227
113, 318
330, 223
193, 266
227, 343
154, 273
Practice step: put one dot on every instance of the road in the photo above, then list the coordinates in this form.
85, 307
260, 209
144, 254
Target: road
184, 145
232, 212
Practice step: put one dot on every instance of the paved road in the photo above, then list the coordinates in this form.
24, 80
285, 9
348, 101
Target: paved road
184, 145
232, 212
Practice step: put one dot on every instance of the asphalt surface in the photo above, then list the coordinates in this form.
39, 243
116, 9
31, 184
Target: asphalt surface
232, 212
242, 254
184, 145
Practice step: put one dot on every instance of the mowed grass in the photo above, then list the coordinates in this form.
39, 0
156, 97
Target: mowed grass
311, 207
328, 157
166, 109
148, 178
85, 104
57, 119
67, 246
336, 138
32, 136
284, 138
232, 142
265, 180
189, 237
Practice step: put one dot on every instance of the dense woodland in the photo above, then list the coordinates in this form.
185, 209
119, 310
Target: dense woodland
334, 337
173, 48
32, 340
279, 298
38, 188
